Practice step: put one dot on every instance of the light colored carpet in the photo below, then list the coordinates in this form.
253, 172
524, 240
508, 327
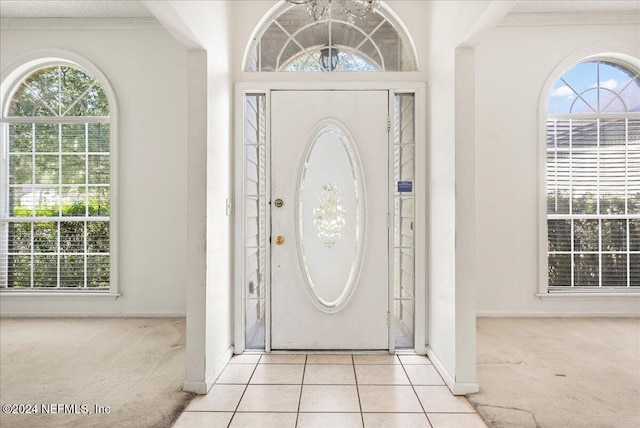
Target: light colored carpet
558, 372
133, 365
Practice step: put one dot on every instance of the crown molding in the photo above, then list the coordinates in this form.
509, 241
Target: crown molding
80, 24
569, 18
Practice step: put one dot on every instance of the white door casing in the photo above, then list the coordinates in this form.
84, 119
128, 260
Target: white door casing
313, 133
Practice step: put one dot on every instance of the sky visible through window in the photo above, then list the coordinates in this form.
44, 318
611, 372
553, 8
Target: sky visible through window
576, 90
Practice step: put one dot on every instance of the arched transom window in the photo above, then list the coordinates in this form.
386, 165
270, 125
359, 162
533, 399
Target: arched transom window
593, 178
55, 209
293, 41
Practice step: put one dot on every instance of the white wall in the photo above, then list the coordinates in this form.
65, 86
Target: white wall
205, 28
513, 65
147, 70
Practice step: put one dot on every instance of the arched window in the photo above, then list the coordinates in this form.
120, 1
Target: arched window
293, 41
593, 177
55, 210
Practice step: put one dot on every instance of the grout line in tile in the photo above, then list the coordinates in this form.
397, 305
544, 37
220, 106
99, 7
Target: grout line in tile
414, 391
355, 375
243, 392
304, 369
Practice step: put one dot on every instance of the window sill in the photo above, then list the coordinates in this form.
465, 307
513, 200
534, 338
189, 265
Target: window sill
595, 295
62, 295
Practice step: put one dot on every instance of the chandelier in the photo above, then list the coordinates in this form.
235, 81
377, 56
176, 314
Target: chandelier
318, 9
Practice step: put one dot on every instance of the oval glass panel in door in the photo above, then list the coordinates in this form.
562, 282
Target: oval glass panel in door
331, 217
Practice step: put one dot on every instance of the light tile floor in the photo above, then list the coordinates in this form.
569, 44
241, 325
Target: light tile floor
329, 391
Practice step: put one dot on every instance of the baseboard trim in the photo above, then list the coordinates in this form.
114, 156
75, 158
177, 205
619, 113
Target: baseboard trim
211, 379
5, 314
491, 314
203, 387
462, 388
195, 387
446, 376
456, 388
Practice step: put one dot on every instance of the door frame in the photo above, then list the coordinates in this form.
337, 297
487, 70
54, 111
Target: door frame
420, 207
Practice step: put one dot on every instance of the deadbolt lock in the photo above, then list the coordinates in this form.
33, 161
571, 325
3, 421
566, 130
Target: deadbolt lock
279, 240
278, 203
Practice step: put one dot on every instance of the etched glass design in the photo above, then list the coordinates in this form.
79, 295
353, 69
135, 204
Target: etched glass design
331, 217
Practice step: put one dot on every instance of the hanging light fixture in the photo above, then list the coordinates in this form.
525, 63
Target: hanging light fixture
318, 9
328, 58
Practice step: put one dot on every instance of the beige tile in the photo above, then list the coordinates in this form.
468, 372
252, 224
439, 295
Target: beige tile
270, 398
329, 398
332, 374
282, 359
236, 373
393, 420
329, 359
423, 375
399, 399
414, 359
440, 400
203, 420
325, 420
456, 420
282, 374
375, 359
263, 420
220, 398
245, 359
390, 374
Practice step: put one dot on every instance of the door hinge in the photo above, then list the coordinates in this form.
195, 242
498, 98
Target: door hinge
389, 319
388, 124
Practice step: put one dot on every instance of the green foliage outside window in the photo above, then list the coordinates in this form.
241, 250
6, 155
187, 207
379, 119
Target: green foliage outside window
59, 91
60, 242
59, 182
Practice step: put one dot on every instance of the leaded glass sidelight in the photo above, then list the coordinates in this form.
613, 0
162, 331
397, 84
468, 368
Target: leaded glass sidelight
255, 262
331, 217
403, 228
292, 41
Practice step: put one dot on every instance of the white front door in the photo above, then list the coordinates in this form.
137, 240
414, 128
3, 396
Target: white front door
329, 220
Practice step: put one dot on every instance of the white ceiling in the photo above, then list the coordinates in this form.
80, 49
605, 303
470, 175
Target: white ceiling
569, 6
73, 9
135, 8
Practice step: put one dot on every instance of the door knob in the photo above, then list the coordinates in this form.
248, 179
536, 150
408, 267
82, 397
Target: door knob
279, 203
279, 240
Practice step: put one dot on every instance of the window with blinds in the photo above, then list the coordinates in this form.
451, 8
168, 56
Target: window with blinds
55, 207
593, 178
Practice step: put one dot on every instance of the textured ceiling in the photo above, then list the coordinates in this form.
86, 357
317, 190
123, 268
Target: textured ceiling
73, 9
569, 6
135, 8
